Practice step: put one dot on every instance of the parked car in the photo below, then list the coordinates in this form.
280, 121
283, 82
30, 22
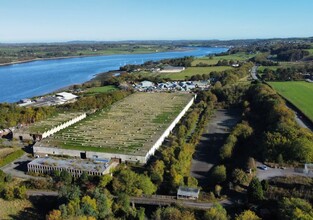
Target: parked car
263, 167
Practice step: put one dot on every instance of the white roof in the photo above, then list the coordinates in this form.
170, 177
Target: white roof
66, 95
188, 191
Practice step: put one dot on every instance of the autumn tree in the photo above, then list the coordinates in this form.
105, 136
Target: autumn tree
219, 174
217, 212
247, 215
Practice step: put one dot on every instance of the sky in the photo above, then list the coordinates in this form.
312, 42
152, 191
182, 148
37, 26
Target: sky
114, 20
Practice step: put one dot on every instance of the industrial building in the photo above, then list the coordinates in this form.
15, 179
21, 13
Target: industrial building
46, 128
132, 130
75, 167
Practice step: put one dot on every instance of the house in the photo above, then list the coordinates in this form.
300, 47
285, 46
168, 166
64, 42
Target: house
146, 84
184, 192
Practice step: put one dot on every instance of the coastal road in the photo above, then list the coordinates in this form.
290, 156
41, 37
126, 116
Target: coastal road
207, 151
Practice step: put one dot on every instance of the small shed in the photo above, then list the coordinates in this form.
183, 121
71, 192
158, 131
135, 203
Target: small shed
184, 192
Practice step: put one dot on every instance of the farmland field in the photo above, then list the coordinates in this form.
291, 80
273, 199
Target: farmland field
130, 126
191, 71
298, 93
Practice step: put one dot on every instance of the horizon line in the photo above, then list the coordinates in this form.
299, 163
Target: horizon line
143, 40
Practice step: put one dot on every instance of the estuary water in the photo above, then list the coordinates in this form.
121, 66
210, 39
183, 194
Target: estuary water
26, 80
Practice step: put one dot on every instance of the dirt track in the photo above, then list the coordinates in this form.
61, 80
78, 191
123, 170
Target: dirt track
213, 137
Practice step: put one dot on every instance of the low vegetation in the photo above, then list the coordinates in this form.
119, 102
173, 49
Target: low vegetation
102, 89
11, 157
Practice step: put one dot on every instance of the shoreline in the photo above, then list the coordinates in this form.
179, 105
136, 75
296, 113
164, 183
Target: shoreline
83, 56
109, 73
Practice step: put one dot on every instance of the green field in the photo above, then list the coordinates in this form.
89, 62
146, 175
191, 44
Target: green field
191, 71
298, 93
103, 89
130, 126
215, 59
311, 51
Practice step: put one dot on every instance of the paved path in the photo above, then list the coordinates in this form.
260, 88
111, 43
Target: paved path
275, 172
213, 137
254, 73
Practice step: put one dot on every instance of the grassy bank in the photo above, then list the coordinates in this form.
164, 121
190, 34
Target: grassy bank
298, 93
11, 157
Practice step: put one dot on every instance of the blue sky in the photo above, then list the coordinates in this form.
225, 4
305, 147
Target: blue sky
64, 20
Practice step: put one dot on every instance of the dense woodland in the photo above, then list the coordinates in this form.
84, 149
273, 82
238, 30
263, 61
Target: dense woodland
299, 72
268, 130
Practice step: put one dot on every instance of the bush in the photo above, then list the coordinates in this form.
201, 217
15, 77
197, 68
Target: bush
219, 174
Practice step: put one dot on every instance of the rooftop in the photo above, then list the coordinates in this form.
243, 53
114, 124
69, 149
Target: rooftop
49, 123
130, 126
188, 191
66, 96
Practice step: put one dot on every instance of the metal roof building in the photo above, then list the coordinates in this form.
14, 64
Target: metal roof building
66, 96
187, 193
74, 166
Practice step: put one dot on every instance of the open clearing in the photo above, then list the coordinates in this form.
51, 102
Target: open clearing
191, 71
102, 89
130, 126
298, 93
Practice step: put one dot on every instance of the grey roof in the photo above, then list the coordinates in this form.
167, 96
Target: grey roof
78, 164
188, 191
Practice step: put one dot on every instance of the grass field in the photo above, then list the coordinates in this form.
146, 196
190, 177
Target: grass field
191, 71
298, 93
130, 126
215, 59
103, 89
12, 209
282, 65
